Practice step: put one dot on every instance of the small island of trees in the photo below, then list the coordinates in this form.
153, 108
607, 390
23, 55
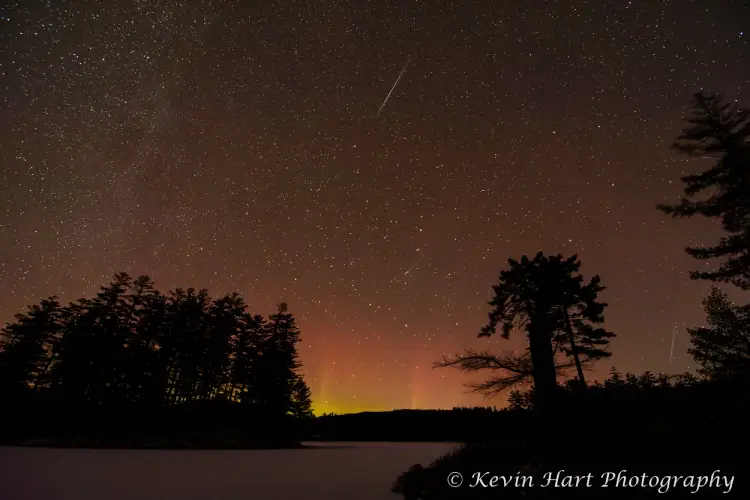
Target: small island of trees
135, 367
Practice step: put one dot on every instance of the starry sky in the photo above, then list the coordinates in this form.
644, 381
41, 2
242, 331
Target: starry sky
241, 146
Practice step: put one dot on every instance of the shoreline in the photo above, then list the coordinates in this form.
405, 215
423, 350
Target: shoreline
307, 444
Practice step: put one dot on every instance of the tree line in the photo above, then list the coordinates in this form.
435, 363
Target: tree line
136, 350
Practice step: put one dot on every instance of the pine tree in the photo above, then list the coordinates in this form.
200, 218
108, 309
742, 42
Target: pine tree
225, 317
114, 331
545, 298
188, 331
73, 368
662, 381
143, 372
247, 367
615, 380
719, 128
91, 360
301, 399
647, 380
518, 400
723, 348
578, 313
279, 364
25, 355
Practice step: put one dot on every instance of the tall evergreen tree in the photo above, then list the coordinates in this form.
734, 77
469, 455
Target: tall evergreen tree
25, 352
226, 316
578, 313
93, 350
246, 372
187, 337
141, 368
113, 328
719, 128
301, 399
546, 299
279, 363
73, 368
723, 347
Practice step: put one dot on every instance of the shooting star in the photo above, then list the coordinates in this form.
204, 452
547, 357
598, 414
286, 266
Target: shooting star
394, 86
415, 264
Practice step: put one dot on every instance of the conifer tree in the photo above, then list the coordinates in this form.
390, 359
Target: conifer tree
545, 298
518, 400
723, 347
188, 333
578, 314
141, 368
279, 363
301, 399
246, 371
720, 130
92, 351
225, 316
615, 380
25, 353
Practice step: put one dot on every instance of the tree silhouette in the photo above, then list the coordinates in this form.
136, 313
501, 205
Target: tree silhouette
719, 128
90, 361
148, 358
279, 363
301, 399
722, 348
24, 355
518, 400
547, 299
578, 313
225, 320
246, 373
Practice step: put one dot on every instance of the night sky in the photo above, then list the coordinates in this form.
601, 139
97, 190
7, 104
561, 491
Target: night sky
237, 146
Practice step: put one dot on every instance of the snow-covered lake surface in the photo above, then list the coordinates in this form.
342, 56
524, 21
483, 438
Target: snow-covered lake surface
333, 471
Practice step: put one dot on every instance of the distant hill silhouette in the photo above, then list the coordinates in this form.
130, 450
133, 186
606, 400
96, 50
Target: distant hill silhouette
456, 425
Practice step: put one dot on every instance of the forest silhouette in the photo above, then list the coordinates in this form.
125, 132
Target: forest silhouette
134, 367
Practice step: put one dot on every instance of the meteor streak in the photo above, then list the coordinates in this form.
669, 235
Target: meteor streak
394, 86
414, 265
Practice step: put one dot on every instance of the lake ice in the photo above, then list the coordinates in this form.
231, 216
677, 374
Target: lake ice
334, 471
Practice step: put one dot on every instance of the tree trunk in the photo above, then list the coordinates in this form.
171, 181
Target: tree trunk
574, 350
543, 366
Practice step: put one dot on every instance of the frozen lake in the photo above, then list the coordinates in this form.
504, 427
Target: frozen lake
332, 471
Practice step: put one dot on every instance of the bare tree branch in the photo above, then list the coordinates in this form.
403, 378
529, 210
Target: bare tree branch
517, 368
498, 385
473, 360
